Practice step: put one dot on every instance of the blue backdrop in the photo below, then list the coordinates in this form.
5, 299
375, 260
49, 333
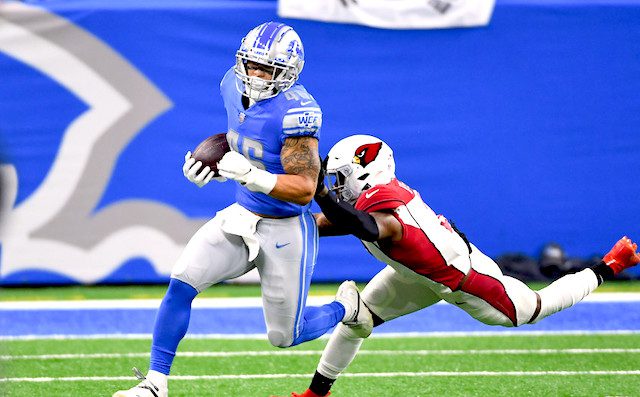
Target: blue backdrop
523, 132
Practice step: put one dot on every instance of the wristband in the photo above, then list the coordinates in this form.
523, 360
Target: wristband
260, 181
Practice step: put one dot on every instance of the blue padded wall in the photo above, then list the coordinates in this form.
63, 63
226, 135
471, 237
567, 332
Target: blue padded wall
523, 132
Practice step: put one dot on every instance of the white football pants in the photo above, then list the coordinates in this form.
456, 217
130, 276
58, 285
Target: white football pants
391, 294
287, 253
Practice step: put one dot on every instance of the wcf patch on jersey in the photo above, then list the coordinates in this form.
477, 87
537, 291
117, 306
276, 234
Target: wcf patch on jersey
302, 120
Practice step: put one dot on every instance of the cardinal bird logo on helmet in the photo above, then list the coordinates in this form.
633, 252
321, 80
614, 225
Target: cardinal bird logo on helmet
365, 154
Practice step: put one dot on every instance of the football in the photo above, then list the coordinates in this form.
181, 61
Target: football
211, 150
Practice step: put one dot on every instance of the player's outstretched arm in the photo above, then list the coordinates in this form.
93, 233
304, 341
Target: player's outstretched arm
326, 228
364, 225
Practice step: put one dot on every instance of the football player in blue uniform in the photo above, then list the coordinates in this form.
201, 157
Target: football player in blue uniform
273, 130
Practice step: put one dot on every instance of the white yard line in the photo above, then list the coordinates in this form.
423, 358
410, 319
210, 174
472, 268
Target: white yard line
345, 375
382, 335
106, 304
319, 352
213, 303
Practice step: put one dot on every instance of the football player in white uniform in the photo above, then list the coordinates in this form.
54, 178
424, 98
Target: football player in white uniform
273, 131
427, 258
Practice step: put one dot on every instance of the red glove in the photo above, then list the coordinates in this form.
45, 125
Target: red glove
622, 256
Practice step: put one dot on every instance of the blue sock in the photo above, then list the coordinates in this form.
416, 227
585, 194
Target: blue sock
317, 321
171, 324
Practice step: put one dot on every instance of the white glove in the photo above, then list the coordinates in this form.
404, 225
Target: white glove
237, 167
190, 170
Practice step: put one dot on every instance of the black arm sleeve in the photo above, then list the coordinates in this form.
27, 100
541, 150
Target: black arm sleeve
346, 217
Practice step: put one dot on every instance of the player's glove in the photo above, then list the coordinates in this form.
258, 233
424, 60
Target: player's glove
237, 167
321, 188
622, 256
193, 172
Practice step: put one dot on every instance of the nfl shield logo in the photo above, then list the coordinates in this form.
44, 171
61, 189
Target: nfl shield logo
241, 117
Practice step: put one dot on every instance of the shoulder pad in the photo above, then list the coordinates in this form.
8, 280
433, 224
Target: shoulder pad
302, 121
382, 197
385, 197
228, 76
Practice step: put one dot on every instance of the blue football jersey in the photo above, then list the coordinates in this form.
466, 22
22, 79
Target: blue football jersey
259, 133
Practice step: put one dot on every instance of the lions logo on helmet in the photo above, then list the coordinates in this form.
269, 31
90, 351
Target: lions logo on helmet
275, 45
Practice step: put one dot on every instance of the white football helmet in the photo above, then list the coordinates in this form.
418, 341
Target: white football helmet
357, 163
273, 44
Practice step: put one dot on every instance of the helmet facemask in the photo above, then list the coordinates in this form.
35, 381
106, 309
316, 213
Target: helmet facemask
341, 183
282, 78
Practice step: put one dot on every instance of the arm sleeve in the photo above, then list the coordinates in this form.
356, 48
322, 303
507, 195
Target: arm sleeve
347, 218
332, 230
301, 121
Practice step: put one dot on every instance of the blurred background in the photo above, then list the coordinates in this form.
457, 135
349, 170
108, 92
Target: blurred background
524, 128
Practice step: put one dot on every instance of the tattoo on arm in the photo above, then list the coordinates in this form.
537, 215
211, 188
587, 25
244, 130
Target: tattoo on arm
299, 156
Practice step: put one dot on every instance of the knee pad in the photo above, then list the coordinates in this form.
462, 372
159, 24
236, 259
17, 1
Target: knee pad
279, 339
351, 333
377, 320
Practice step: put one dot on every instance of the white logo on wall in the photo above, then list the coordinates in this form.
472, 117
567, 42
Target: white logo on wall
55, 228
392, 14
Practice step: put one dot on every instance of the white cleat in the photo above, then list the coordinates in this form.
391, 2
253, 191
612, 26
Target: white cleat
144, 389
357, 315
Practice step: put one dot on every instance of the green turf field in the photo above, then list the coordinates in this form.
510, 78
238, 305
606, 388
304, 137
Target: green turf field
554, 365
80, 292
558, 365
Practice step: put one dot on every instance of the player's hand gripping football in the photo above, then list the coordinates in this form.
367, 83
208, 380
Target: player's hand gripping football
194, 172
237, 167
